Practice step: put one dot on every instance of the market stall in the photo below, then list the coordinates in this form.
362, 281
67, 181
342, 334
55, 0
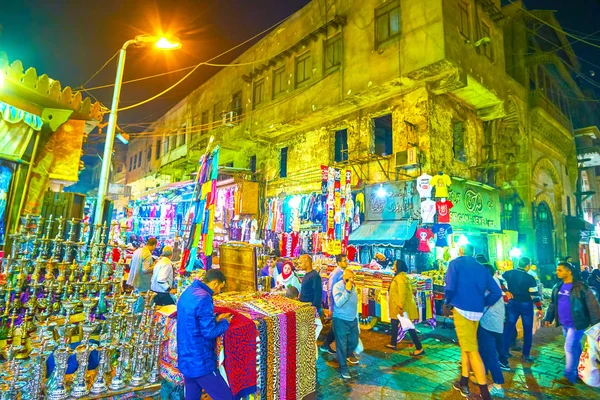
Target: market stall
268, 351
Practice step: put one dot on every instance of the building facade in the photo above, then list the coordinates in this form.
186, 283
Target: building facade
367, 85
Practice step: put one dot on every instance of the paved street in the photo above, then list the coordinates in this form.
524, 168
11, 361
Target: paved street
384, 374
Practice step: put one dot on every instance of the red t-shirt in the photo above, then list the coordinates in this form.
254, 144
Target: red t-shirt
424, 235
443, 211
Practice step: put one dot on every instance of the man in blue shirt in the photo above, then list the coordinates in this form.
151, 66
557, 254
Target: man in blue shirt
334, 277
197, 330
467, 283
345, 320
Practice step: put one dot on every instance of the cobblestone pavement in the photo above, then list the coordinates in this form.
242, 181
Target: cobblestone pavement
386, 374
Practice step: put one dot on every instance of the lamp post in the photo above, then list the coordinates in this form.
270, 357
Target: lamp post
141, 40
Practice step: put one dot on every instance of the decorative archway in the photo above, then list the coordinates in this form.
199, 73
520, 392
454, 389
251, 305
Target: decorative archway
545, 165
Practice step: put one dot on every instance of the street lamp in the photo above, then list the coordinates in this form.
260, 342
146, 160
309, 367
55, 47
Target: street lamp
139, 41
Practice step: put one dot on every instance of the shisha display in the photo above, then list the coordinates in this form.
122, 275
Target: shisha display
57, 292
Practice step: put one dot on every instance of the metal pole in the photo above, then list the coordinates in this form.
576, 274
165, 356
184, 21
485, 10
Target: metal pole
110, 136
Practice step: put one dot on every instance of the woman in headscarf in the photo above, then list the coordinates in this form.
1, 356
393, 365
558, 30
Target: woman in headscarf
288, 277
402, 302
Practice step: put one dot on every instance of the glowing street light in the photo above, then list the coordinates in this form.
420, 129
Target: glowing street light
139, 41
1, 79
381, 192
515, 252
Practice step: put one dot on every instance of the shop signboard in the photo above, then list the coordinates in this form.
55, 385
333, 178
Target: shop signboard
392, 201
475, 207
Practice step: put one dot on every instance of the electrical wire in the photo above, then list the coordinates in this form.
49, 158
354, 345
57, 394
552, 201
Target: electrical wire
558, 29
207, 63
98, 71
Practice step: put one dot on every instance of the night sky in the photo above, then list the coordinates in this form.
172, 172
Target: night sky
70, 40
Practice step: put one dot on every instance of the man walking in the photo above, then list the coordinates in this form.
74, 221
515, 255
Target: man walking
335, 276
524, 290
197, 331
140, 272
345, 320
162, 278
467, 283
575, 308
311, 290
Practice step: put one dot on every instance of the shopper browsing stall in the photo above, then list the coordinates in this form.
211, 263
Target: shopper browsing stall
345, 321
402, 303
162, 278
140, 274
288, 277
574, 307
335, 276
196, 338
311, 288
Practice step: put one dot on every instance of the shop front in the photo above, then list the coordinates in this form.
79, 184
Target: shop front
579, 235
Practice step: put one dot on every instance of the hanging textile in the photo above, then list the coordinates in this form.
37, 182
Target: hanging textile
203, 206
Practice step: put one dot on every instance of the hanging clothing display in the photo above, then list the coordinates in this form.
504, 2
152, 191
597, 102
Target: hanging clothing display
442, 231
6, 174
424, 235
443, 210
428, 211
441, 182
424, 186
202, 229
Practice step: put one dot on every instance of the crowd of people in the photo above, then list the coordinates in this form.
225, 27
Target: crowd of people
485, 305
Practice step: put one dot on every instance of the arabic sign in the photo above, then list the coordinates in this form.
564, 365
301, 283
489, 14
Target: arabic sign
475, 207
392, 201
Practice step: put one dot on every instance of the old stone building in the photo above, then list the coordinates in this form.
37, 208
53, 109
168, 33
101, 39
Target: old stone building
360, 85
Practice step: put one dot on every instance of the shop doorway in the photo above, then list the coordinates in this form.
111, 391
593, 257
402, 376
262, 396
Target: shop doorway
544, 232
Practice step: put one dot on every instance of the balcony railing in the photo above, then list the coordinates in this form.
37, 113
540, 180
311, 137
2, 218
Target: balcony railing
537, 98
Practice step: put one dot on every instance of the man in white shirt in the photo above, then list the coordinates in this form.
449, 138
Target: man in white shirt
162, 278
140, 273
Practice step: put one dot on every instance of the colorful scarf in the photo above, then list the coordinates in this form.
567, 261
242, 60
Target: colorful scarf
290, 356
240, 354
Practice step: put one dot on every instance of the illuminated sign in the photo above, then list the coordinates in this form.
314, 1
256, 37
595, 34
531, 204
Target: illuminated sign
475, 207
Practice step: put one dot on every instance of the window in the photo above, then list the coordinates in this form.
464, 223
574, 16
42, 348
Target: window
130, 163
217, 114
258, 92
283, 163
140, 159
333, 53
303, 68
204, 122
382, 135
181, 135
134, 161
487, 49
166, 145
236, 105
149, 154
279, 82
458, 141
229, 165
465, 25
158, 149
568, 205
341, 145
252, 164
173, 142
387, 22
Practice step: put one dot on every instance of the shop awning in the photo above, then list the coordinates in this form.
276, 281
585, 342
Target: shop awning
16, 130
383, 233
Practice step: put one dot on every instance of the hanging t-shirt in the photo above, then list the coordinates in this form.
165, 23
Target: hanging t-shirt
424, 235
564, 305
427, 211
442, 231
424, 185
443, 211
441, 183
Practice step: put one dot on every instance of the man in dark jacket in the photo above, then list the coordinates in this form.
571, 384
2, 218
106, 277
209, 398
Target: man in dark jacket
467, 283
574, 307
197, 329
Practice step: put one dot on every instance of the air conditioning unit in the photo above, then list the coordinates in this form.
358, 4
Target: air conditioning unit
408, 158
230, 118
